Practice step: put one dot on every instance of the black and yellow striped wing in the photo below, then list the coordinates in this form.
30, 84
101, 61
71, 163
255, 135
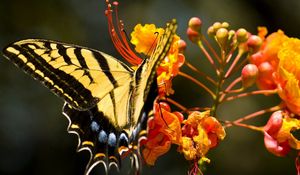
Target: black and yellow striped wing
82, 77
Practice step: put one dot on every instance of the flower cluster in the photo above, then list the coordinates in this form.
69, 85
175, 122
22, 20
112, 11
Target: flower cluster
272, 62
266, 59
195, 135
278, 62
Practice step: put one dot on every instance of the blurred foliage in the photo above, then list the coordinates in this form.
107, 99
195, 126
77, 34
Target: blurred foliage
33, 137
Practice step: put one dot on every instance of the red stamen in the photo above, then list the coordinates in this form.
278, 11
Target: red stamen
118, 35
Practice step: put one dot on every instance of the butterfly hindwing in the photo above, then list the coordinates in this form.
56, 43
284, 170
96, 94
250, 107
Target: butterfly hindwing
97, 135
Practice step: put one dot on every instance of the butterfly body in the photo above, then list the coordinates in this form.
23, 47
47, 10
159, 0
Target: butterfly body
107, 103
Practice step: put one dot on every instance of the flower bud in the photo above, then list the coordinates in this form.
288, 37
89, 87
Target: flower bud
195, 23
231, 34
254, 42
241, 35
181, 46
217, 25
180, 59
193, 35
265, 69
222, 37
225, 25
266, 76
211, 31
274, 124
249, 75
277, 146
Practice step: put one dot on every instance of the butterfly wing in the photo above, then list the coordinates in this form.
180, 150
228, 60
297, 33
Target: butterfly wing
81, 76
145, 76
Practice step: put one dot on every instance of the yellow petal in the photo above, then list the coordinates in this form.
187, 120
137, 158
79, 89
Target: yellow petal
145, 37
202, 142
289, 74
188, 149
289, 125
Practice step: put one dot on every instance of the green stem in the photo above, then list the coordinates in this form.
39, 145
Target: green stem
221, 78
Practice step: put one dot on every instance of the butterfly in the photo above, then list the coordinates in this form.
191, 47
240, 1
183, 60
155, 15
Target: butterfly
107, 102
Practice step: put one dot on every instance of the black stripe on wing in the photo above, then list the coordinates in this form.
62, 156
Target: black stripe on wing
61, 50
104, 66
61, 83
82, 63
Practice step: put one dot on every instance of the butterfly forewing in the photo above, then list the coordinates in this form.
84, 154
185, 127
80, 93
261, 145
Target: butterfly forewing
81, 76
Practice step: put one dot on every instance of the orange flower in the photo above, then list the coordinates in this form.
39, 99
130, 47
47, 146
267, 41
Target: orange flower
145, 37
262, 32
288, 75
163, 130
278, 138
266, 58
169, 68
200, 133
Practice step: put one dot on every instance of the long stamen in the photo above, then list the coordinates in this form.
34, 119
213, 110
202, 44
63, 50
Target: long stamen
118, 36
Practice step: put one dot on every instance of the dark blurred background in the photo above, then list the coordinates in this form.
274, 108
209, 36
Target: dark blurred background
33, 137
